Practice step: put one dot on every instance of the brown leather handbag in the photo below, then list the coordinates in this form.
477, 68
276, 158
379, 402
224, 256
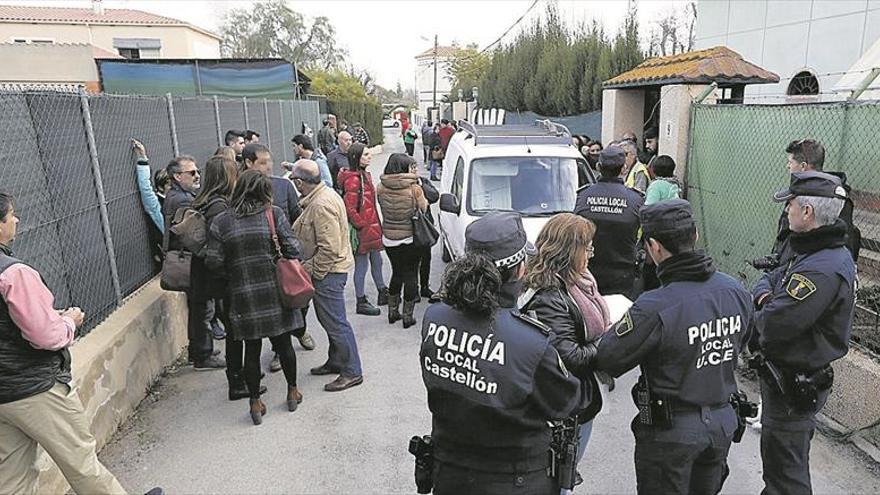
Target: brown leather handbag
294, 283
175, 276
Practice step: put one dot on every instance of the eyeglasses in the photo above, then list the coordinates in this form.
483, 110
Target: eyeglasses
192, 173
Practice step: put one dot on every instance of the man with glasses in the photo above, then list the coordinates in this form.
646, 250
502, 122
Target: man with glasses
185, 182
637, 177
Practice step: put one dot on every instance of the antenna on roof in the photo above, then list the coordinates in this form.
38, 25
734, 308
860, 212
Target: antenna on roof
528, 148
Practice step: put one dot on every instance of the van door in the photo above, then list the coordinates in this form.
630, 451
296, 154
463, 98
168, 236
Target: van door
455, 225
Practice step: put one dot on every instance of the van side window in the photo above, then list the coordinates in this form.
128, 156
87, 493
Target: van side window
458, 179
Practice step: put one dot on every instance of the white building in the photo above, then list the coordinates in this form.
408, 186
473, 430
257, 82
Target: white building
821, 48
425, 76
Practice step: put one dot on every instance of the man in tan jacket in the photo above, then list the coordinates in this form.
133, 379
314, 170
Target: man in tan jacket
322, 229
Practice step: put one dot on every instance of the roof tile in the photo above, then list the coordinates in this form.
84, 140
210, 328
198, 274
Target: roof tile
719, 64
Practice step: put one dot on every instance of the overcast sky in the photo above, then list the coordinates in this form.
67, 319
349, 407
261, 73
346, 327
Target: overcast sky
383, 36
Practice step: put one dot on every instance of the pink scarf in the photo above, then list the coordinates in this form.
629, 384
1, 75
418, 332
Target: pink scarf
592, 306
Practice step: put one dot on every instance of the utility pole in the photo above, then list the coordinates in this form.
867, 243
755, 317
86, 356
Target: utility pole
435, 74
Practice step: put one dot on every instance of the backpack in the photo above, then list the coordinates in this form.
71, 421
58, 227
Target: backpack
191, 227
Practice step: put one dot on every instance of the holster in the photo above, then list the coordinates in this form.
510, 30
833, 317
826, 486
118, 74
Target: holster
806, 386
654, 410
565, 436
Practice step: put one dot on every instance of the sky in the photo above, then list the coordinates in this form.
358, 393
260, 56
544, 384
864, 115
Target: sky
384, 36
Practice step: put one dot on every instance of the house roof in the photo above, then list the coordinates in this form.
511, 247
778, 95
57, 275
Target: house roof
98, 52
65, 15
719, 64
442, 51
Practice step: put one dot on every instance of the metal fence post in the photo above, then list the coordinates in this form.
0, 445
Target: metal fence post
283, 131
217, 120
174, 144
102, 200
247, 124
268, 131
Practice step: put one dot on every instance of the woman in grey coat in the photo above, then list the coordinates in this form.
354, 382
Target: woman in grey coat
240, 246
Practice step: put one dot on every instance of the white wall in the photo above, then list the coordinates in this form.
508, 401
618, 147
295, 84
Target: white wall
425, 81
788, 36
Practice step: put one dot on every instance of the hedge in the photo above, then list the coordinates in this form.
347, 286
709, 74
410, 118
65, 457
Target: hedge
369, 114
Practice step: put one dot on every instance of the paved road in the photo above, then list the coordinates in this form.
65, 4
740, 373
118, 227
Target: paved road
188, 438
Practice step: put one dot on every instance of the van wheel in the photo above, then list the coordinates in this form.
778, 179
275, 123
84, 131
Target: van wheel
446, 256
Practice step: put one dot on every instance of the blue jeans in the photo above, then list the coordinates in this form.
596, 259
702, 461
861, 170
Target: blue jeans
434, 165
329, 304
586, 431
374, 259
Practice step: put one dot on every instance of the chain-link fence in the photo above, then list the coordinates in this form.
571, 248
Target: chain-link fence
737, 161
68, 162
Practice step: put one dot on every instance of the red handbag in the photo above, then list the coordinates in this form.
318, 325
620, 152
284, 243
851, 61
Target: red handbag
294, 282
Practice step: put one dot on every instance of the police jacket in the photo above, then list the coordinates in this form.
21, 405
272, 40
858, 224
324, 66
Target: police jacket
686, 335
492, 386
782, 244
805, 323
614, 209
556, 309
24, 370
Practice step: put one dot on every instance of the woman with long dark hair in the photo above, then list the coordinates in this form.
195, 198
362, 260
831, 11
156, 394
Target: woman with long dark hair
240, 245
401, 197
476, 344
359, 195
567, 301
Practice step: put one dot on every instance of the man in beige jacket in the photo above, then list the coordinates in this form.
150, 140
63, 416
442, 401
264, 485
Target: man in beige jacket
322, 229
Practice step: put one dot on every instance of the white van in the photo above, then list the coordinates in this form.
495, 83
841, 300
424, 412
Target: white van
532, 170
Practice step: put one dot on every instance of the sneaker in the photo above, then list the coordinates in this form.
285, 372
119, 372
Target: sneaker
307, 342
210, 363
275, 365
382, 300
217, 330
365, 308
156, 491
215, 352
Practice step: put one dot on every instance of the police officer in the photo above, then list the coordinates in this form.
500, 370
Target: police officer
808, 155
614, 208
686, 336
492, 376
805, 312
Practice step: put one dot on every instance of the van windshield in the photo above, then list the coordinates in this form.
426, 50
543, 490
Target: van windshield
530, 185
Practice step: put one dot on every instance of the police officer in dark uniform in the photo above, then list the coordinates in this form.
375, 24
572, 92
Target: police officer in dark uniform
492, 376
804, 317
614, 208
685, 336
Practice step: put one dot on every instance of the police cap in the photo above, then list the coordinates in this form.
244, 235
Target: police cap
612, 157
811, 183
501, 236
674, 215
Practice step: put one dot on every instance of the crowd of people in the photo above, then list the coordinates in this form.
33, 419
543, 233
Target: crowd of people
519, 334
522, 335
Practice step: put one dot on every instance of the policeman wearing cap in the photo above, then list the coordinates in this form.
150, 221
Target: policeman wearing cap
803, 319
492, 376
685, 336
614, 208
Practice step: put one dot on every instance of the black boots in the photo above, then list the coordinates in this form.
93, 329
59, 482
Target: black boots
393, 308
365, 308
382, 300
408, 308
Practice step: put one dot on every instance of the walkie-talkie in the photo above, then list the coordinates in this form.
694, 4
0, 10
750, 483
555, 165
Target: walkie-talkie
643, 401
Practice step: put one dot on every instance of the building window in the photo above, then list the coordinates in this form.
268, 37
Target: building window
803, 84
33, 41
130, 53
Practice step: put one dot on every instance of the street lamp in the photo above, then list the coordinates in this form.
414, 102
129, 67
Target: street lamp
434, 101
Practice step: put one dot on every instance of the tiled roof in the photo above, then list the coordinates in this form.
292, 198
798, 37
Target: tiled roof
719, 64
442, 51
64, 15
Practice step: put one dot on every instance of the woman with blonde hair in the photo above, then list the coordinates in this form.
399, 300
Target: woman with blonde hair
563, 294
227, 152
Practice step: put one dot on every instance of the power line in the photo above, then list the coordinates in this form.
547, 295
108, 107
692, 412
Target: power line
511, 27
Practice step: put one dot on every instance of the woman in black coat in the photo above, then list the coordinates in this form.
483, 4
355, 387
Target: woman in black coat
563, 295
240, 245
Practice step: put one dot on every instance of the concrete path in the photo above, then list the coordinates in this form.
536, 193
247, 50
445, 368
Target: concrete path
188, 438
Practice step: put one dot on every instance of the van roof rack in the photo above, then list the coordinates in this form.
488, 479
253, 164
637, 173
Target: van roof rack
540, 132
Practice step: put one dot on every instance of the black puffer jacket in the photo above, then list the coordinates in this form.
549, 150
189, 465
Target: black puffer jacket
556, 309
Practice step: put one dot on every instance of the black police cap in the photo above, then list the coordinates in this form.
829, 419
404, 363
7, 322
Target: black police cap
612, 156
501, 236
674, 215
811, 183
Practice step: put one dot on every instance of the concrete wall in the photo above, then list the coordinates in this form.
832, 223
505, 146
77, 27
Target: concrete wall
47, 63
787, 36
622, 110
177, 41
116, 363
674, 126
